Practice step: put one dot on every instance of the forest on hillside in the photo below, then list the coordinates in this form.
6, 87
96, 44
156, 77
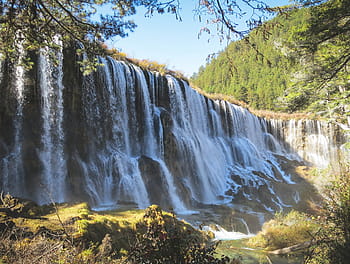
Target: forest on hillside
298, 61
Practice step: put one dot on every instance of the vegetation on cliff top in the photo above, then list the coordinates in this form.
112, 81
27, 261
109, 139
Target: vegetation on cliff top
148, 65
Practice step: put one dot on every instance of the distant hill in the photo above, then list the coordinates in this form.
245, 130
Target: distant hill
293, 66
257, 78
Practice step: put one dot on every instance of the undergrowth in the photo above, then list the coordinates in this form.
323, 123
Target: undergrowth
285, 230
332, 243
83, 236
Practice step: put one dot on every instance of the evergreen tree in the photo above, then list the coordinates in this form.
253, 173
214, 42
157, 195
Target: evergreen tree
323, 46
303, 65
34, 24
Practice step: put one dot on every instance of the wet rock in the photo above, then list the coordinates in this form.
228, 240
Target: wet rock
154, 181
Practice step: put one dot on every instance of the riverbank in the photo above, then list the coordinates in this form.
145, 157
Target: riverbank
73, 233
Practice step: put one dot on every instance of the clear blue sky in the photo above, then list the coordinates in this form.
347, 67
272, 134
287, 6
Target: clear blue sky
172, 42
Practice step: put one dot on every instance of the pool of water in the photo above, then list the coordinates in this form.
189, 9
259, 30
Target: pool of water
239, 249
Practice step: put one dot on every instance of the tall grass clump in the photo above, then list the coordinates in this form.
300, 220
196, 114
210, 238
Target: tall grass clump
285, 230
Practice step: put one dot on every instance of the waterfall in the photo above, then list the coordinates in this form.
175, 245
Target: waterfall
115, 174
123, 136
11, 164
52, 138
310, 140
132, 137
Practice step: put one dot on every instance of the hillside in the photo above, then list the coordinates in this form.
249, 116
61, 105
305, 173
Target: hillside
253, 78
298, 64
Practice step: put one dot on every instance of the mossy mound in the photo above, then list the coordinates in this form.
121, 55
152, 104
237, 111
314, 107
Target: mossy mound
85, 236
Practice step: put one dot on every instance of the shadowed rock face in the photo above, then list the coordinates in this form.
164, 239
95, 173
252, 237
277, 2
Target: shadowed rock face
154, 181
126, 136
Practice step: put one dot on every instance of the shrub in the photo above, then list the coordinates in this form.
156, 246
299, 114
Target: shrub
284, 231
108, 238
332, 243
166, 240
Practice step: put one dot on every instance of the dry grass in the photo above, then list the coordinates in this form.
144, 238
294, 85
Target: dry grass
260, 113
285, 231
217, 96
43, 250
74, 234
148, 65
282, 116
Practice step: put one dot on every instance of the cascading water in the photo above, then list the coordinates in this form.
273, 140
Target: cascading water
122, 136
11, 163
310, 140
53, 179
130, 136
114, 174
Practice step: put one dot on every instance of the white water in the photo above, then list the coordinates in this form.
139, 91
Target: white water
12, 166
53, 177
125, 148
118, 158
222, 234
309, 140
142, 138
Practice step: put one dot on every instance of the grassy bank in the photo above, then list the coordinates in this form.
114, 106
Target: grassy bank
75, 234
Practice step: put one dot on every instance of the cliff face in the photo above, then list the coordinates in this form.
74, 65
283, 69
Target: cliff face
126, 136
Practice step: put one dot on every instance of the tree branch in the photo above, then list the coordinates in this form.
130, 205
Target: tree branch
59, 22
226, 22
74, 18
339, 68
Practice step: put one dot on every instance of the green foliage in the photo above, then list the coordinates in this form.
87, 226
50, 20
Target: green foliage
27, 26
284, 231
332, 243
169, 242
303, 65
323, 48
255, 70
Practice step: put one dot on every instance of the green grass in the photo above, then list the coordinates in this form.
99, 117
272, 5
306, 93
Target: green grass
284, 231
